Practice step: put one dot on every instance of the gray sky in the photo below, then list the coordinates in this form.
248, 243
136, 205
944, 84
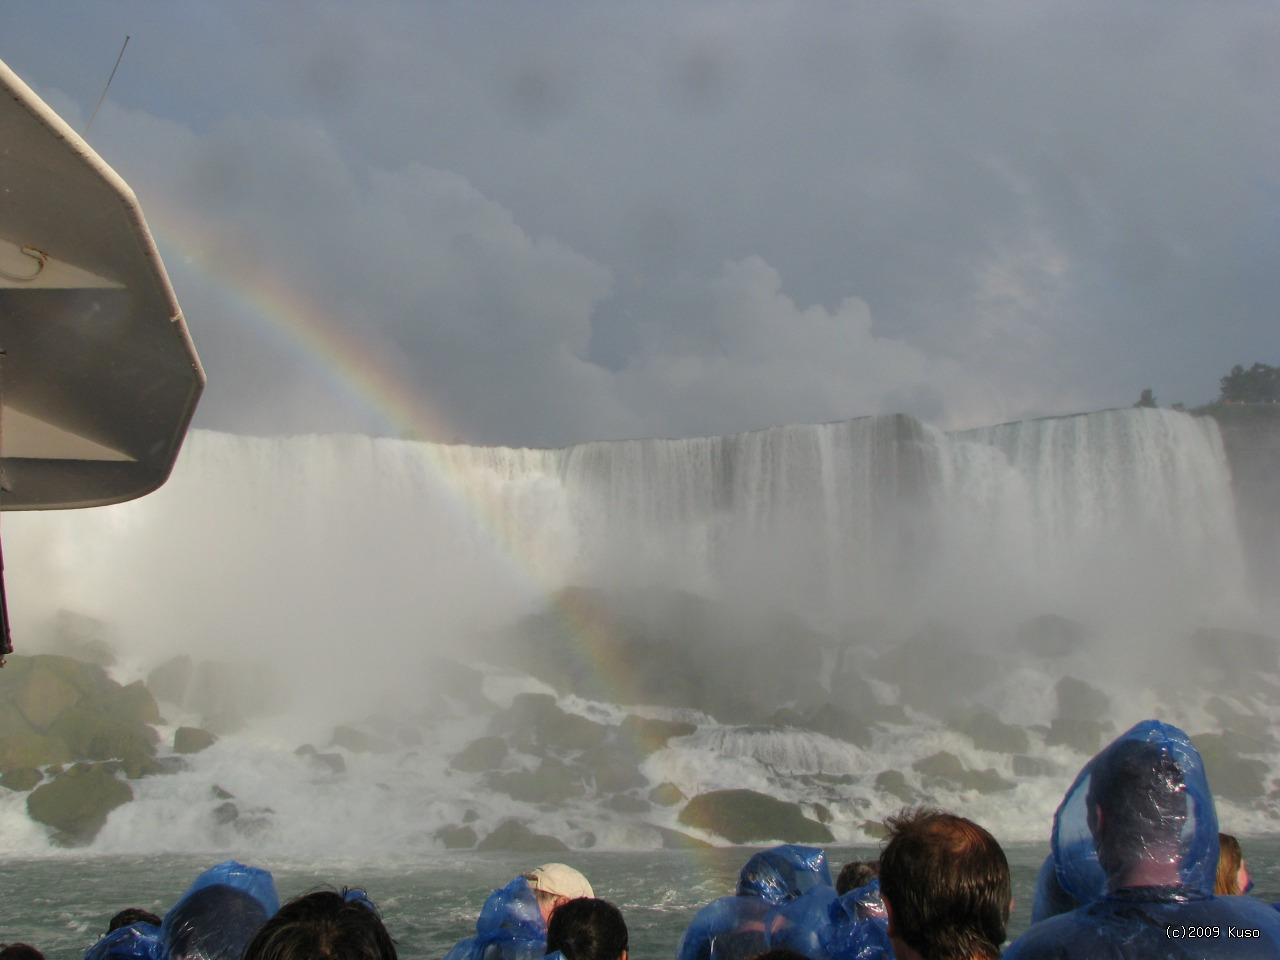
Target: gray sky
542, 223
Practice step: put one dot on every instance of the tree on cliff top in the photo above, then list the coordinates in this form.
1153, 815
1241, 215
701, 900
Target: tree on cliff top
1259, 384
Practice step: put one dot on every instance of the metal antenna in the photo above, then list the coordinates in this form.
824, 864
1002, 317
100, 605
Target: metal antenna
107, 87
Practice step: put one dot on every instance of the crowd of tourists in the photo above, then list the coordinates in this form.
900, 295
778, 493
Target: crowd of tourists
1138, 870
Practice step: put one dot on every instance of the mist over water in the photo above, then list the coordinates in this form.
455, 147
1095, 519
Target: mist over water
342, 569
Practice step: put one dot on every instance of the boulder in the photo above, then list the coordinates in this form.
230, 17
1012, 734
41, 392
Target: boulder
43, 686
569, 731
745, 816
132, 704
21, 779
192, 740
666, 794
1078, 700
76, 803
936, 671
455, 837
989, 732
553, 782
612, 768
19, 750
94, 735
949, 768
1084, 736
1233, 777
484, 753
515, 836
81, 637
648, 735
894, 783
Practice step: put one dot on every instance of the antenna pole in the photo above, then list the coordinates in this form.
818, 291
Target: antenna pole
107, 87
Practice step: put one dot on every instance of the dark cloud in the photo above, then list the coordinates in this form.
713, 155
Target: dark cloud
577, 221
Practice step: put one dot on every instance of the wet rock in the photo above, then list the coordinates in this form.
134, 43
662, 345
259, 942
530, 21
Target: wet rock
745, 816
1233, 777
455, 837
666, 794
225, 812
894, 783
648, 735
485, 753
528, 711
1084, 736
192, 740
94, 735
21, 779
948, 768
613, 769
875, 829
552, 782
44, 686
31, 750
76, 803
219, 793
1024, 766
515, 836
675, 840
1078, 700
989, 732
569, 731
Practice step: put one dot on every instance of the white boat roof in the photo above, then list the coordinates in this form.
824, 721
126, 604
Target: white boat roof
98, 375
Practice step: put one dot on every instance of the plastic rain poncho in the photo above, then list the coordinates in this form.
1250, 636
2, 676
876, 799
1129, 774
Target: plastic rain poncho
139, 941
510, 927
735, 928
219, 913
1136, 841
859, 926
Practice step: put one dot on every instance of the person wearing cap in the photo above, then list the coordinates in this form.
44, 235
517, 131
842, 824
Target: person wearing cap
555, 884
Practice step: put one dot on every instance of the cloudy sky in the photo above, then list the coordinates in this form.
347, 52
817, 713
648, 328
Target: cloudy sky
542, 223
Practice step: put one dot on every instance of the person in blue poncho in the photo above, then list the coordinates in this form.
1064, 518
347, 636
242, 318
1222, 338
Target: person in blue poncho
219, 913
510, 927
1136, 842
782, 900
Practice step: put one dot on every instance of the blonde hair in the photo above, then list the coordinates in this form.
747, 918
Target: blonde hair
1230, 858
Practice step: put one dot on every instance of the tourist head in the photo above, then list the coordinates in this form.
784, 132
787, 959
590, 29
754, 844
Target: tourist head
557, 883
1139, 814
783, 873
588, 929
324, 925
131, 915
213, 923
1137, 808
1233, 876
19, 951
946, 887
855, 874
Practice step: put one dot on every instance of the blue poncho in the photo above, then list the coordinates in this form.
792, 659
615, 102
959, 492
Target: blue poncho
1136, 841
737, 927
510, 927
219, 913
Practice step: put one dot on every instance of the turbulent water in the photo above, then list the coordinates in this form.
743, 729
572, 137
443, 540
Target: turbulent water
341, 569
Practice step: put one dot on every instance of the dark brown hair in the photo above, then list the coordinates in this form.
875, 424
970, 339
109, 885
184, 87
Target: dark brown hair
946, 881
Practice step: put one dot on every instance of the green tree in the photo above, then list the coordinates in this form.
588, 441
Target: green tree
1148, 399
1259, 384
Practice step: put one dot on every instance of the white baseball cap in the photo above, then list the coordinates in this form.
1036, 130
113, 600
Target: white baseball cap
559, 879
